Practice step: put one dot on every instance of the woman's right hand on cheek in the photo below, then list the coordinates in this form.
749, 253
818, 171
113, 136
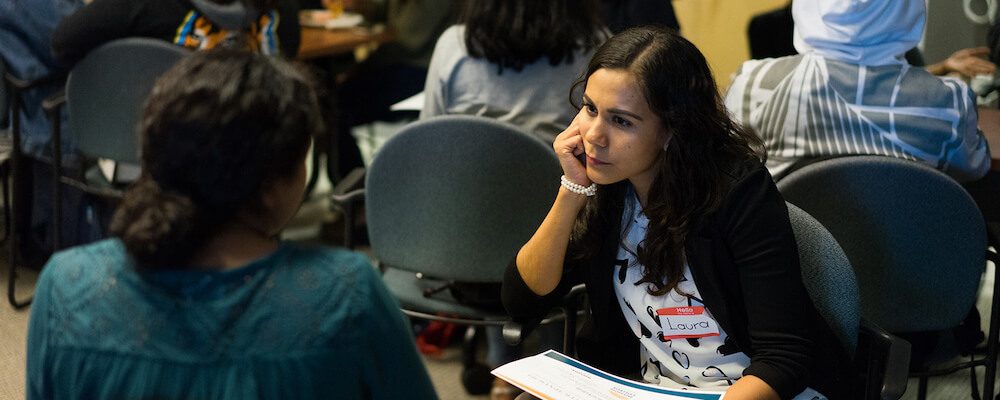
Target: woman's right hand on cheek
569, 148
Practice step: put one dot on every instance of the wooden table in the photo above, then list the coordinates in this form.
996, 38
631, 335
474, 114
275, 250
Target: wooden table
989, 123
321, 42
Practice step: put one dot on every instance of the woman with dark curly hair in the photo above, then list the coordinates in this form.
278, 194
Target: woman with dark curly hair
668, 216
196, 297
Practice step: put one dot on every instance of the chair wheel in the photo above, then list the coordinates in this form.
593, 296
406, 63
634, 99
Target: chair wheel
477, 379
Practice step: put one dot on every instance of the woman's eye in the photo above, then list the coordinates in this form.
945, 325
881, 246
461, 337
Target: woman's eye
621, 122
590, 108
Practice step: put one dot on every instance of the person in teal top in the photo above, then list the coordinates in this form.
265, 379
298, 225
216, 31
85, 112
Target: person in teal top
195, 297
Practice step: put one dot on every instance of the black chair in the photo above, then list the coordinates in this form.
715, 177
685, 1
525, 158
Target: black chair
10, 167
910, 232
6, 146
451, 199
104, 96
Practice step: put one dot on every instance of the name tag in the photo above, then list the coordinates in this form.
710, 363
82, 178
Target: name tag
686, 322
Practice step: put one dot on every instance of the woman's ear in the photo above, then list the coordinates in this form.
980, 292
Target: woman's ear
667, 137
268, 201
270, 195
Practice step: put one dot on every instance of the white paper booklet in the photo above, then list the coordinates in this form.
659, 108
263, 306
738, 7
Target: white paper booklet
554, 376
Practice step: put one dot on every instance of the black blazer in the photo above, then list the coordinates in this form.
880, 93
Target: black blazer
745, 262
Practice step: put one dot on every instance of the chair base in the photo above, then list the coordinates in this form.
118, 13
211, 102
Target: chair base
12, 277
476, 376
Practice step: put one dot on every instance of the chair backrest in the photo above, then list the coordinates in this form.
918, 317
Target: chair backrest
915, 238
828, 277
455, 197
106, 90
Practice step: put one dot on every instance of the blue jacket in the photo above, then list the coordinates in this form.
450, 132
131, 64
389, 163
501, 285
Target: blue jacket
26, 27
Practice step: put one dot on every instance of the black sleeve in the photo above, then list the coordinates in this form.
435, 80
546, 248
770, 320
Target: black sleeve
523, 304
289, 31
93, 25
755, 224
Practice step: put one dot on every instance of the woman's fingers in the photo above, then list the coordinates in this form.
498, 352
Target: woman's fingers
573, 167
569, 149
568, 140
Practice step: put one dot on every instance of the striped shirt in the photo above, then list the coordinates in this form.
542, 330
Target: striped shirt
807, 106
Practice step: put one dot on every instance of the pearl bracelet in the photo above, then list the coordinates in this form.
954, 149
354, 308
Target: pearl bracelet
578, 189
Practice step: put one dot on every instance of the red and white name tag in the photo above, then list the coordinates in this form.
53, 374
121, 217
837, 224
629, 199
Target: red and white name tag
686, 322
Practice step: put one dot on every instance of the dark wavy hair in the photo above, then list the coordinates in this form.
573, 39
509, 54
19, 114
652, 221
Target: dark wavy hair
215, 128
706, 142
515, 33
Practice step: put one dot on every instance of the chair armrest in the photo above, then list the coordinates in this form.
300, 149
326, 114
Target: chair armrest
572, 298
350, 189
16, 86
887, 364
515, 331
26, 84
994, 257
54, 102
346, 194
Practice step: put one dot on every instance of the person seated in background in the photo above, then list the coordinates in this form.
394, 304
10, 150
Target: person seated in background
513, 60
270, 27
665, 204
26, 28
850, 91
770, 35
391, 73
25, 31
195, 296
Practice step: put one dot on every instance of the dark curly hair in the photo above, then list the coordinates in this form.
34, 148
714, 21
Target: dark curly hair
515, 33
706, 142
216, 127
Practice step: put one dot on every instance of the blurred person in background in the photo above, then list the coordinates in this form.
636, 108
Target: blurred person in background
25, 32
513, 60
270, 27
770, 36
850, 91
391, 73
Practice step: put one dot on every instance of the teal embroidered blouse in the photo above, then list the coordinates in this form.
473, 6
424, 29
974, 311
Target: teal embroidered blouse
300, 323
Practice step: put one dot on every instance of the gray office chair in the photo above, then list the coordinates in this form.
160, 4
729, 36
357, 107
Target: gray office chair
451, 199
104, 96
882, 358
910, 232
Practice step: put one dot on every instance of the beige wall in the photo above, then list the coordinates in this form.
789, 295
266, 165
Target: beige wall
718, 28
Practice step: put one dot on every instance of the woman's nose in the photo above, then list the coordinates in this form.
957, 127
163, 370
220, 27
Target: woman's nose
596, 134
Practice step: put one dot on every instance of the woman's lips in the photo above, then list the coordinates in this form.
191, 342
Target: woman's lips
594, 161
